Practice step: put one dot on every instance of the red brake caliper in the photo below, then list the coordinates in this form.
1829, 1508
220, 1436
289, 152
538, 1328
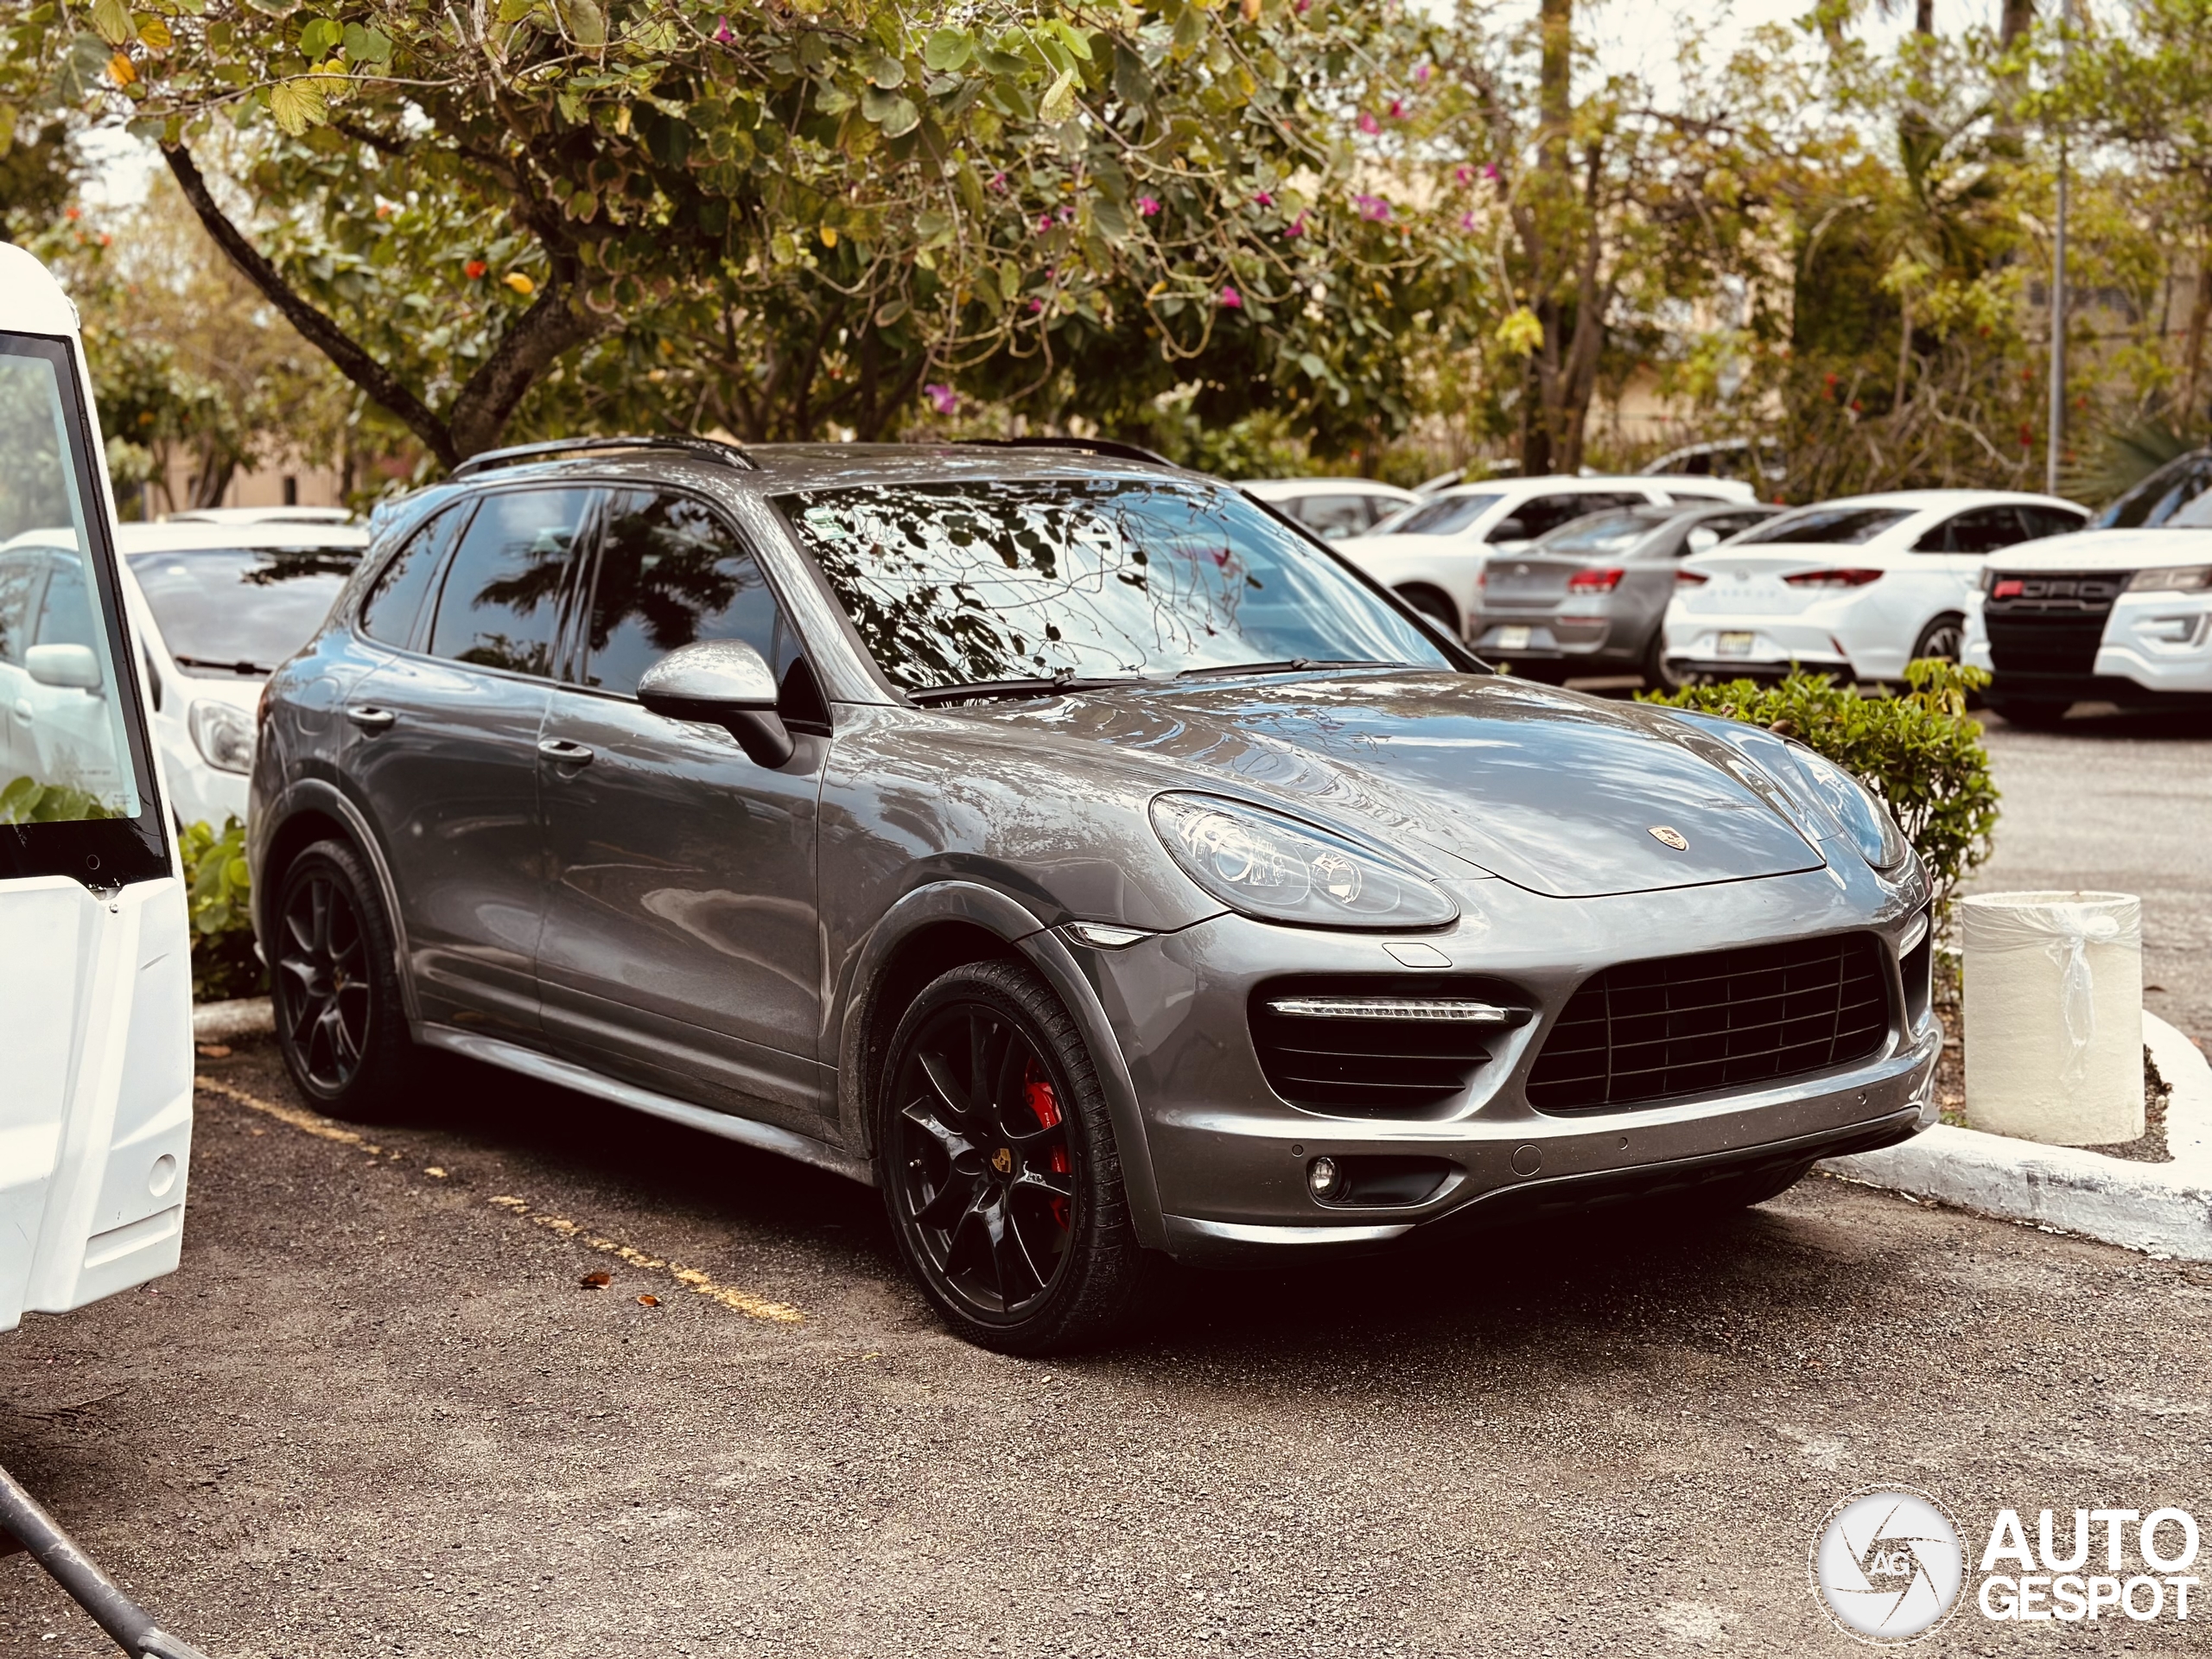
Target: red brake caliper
1045, 1107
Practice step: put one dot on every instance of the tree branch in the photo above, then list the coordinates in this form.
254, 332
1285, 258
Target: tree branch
351, 358
550, 329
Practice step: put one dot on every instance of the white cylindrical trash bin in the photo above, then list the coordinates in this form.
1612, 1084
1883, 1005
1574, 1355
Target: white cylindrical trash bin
2054, 1015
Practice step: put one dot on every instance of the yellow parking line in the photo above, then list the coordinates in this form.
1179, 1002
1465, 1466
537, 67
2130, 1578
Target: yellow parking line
728, 1296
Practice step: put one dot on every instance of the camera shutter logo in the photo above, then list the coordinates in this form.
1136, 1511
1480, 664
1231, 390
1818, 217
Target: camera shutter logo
1887, 1565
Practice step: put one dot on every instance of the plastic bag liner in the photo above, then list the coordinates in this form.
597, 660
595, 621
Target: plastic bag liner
2063, 926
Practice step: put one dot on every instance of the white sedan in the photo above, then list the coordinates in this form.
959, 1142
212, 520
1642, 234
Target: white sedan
214, 608
2118, 615
1333, 508
1434, 555
1857, 587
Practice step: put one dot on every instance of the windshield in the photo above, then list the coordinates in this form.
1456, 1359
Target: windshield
1607, 535
962, 584
240, 610
1446, 517
1834, 526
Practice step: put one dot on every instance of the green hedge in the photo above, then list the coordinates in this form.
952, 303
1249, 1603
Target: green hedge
217, 886
1918, 750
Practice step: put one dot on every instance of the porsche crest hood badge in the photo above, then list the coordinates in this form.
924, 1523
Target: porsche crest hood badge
1670, 838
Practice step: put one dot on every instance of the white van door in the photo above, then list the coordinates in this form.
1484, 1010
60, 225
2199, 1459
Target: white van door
95, 965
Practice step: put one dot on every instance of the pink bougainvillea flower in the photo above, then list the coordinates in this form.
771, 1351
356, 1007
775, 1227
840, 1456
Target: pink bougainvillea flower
1489, 170
998, 182
722, 36
1463, 176
1466, 221
942, 396
1067, 215
1372, 208
1036, 305
1265, 198
1043, 221
1368, 123
1296, 227
1398, 110
1146, 207
1422, 71
1230, 299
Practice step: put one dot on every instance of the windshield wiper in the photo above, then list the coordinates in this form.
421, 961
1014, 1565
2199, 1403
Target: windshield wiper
975, 690
238, 667
1288, 664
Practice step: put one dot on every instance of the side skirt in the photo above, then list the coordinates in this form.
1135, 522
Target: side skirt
763, 1137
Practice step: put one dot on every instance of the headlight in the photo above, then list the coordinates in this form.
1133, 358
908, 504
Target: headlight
1855, 809
2189, 579
1280, 870
223, 733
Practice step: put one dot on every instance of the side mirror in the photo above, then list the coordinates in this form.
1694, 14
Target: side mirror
64, 665
1507, 529
723, 681
1701, 538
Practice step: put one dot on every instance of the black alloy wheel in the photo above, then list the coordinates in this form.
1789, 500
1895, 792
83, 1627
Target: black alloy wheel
999, 1168
1944, 638
335, 986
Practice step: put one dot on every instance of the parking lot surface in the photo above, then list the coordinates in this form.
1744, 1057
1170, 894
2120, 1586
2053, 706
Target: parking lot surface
379, 1412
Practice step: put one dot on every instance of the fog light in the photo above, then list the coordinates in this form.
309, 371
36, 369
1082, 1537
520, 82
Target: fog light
1321, 1176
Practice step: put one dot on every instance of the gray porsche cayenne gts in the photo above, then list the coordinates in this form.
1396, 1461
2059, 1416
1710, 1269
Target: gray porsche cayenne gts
1066, 845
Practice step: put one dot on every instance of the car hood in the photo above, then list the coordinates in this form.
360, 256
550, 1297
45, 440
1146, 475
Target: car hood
1555, 791
2109, 549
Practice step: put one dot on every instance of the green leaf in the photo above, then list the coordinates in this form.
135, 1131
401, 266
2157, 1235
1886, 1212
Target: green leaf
832, 100
947, 50
582, 21
112, 19
1060, 98
1111, 217
318, 36
891, 313
893, 112
886, 72
297, 105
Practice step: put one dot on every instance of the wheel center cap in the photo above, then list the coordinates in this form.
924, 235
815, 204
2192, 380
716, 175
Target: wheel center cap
1002, 1160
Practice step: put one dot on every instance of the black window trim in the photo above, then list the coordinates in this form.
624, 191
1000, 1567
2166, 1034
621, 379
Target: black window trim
105, 854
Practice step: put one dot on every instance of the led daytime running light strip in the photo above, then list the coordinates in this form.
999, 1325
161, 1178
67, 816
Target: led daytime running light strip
1456, 1009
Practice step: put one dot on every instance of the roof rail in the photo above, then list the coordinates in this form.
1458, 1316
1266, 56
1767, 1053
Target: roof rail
1112, 447
706, 449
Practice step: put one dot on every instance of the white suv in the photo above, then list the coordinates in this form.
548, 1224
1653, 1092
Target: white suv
1433, 556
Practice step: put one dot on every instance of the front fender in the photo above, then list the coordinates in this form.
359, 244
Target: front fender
1072, 979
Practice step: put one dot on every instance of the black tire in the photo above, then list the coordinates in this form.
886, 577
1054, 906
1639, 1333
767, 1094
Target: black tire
1435, 606
333, 977
1945, 638
2035, 714
1658, 677
1015, 1227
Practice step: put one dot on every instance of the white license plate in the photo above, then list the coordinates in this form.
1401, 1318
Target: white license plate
1736, 645
1513, 639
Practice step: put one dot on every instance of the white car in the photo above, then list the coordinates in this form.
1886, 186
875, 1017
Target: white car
95, 950
214, 607
1857, 587
2118, 615
261, 516
1333, 508
1434, 554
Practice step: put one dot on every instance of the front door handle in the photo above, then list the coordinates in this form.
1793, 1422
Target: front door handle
370, 718
562, 751
23, 710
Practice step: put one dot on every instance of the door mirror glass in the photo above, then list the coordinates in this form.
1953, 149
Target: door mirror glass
65, 665
727, 682
1508, 529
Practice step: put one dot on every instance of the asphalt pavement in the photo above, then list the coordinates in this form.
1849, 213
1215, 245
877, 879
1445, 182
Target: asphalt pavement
380, 1411
2122, 804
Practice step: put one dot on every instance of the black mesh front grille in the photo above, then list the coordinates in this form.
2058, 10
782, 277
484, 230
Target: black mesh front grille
1374, 1068
1645, 1031
2049, 623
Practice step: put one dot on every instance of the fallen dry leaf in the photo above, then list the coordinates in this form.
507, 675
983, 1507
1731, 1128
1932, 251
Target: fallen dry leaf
649, 1301
596, 1280
214, 1050
435, 1170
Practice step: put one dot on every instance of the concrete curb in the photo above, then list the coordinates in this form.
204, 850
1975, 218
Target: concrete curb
2165, 1209
243, 1016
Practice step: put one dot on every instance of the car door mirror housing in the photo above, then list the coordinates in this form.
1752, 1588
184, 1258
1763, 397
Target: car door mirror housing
724, 681
65, 665
1508, 529
1702, 538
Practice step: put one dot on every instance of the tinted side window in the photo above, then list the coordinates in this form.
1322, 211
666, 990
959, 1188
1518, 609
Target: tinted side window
1983, 530
1333, 516
2049, 521
1542, 514
2160, 496
669, 574
395, 604
18, 582
500, 604
64, 617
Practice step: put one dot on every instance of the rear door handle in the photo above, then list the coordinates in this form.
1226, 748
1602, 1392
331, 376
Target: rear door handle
565, 753
370, 718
